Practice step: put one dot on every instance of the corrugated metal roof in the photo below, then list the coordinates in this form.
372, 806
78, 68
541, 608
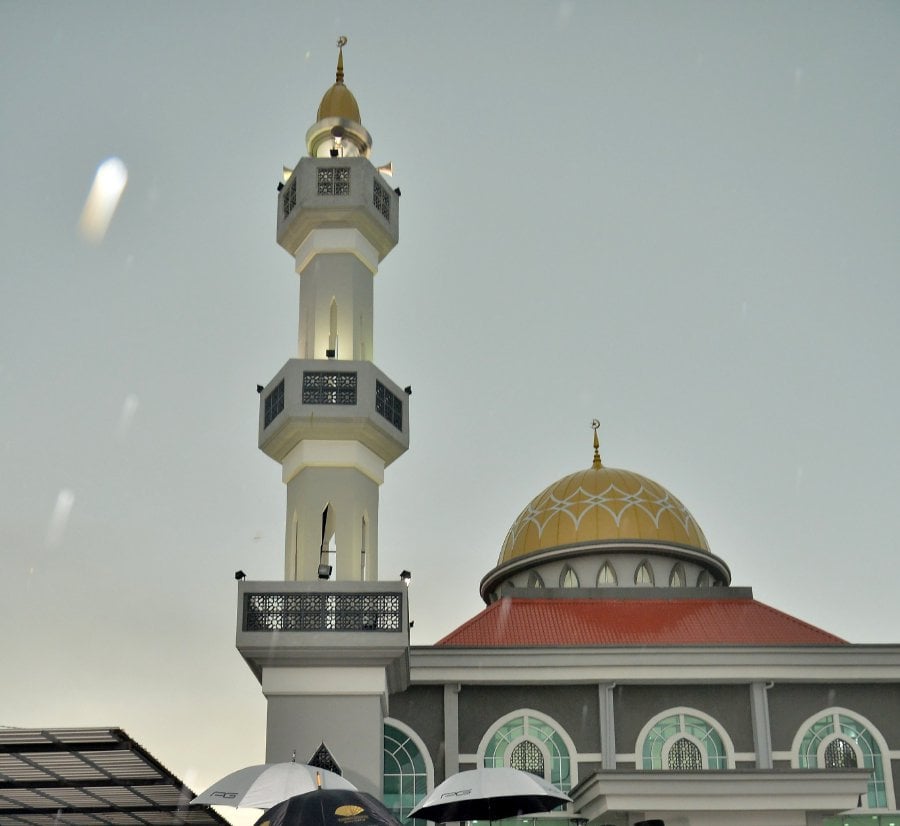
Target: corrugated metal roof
89, 777
518, 622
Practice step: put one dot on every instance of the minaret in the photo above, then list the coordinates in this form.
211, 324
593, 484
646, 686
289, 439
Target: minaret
330, 642
330, 417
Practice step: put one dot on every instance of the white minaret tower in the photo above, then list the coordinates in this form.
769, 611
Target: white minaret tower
330, 417
330, 642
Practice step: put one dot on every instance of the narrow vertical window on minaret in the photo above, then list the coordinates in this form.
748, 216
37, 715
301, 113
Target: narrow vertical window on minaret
362, 549
332, 327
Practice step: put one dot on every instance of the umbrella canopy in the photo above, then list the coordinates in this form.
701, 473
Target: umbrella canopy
489, 794
261, 787
329, 807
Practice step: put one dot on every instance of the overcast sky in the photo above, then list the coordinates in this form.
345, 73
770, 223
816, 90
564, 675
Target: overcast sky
681, 218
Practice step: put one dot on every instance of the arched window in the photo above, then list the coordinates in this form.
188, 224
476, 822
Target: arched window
838, 738
408, 772
363, 545
703, 580
568, 578
606, 575
519, 739
676, 577
684, 740
332, 326
643, 574
534, 580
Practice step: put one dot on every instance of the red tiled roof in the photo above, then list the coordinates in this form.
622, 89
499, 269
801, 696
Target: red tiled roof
515, 622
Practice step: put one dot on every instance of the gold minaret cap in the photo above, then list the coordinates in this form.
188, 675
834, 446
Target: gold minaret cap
595, 425
338, 130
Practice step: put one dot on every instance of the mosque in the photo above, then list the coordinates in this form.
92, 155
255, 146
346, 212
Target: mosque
613, 656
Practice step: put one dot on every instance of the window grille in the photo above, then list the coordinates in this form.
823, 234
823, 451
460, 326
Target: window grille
685, 756
329, 388
289, 198
323, 759
322, 612
381, 198
388, 405
839, 754
568, 579
527, 757
333, 180
274, 404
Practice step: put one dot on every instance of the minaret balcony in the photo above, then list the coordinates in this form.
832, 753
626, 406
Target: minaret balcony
333, 400
325, 624
338, 193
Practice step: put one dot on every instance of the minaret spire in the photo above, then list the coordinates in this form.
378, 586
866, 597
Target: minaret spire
339, 74
597, 464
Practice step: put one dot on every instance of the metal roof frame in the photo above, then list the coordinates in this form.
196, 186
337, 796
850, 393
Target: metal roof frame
89, 777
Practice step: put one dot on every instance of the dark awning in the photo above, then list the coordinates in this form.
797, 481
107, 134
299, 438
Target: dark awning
89, 777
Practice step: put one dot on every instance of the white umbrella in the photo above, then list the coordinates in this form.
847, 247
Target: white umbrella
261, 787
489, 794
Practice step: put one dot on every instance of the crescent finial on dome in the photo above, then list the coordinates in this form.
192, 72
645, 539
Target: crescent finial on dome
595, 424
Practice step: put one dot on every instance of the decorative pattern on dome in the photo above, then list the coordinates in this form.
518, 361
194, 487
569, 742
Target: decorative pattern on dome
601, 504
613, 500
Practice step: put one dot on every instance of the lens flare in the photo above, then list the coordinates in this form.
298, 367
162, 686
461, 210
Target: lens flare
102, 200
60, 518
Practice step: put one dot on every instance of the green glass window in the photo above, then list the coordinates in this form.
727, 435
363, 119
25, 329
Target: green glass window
840, 728
503, 749
667, 738
405, 774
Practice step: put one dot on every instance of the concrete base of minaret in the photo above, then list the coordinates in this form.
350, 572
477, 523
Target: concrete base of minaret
327, 655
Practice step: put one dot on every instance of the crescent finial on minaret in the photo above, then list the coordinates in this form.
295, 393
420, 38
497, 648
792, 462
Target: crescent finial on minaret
595, 425
339, 75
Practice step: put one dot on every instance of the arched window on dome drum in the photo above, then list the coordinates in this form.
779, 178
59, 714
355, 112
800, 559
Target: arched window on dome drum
405, 780
534, 580
830, 737
703, 580
643, 574
607, 575
684, 756
527, 756
568, 578
676, 577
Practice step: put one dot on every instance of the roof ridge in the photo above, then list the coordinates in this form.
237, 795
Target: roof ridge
480, 615
799, 621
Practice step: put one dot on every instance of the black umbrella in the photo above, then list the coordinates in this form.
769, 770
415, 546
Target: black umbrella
329, 807
489, 794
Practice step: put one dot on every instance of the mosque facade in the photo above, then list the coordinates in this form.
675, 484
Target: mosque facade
613, 657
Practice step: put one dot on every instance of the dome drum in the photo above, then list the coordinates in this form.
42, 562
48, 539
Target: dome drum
698, 569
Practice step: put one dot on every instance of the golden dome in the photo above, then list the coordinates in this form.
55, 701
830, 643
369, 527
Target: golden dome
601, 504
338, 101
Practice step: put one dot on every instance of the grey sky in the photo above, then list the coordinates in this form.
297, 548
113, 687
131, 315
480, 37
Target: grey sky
680, 218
